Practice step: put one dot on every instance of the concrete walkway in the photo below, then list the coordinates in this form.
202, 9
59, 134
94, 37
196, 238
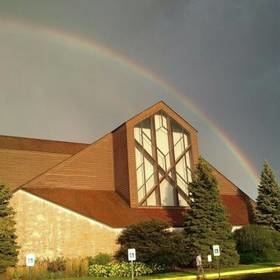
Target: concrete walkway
227, 273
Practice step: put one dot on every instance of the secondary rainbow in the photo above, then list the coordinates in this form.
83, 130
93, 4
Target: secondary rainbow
74, 40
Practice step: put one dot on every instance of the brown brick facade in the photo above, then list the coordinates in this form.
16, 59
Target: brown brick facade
51, 231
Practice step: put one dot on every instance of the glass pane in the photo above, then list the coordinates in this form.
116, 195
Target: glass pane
164, 121
149, 169
181, 168
161, 159
186, 139
178, 148
146, 127
151, 201
182, 201
182, 184
189, 173
166, 194
162, 140
141, 194
176, 131
140, 177
137, 134
157, 121
138, 158
147, 144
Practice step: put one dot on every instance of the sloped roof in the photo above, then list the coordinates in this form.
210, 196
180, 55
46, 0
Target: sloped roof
40, 145
19, 167
109, 208
106, 207
24, 159
91, 168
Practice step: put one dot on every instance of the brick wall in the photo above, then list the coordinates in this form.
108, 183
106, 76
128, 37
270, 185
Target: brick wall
51, 231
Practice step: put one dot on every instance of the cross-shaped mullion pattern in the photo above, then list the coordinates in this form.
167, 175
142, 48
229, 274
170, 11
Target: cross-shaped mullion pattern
164, 171
164, 174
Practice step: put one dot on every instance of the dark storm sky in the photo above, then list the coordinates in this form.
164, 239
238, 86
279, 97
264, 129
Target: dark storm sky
222, 55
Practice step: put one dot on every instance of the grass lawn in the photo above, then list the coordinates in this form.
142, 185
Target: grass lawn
154, 276
192, 272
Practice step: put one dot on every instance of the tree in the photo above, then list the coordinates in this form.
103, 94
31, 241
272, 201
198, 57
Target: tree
256, 244
8, 246
154, 244
206, 222
268, 200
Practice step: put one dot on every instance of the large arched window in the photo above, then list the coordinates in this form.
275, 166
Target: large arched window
163, 162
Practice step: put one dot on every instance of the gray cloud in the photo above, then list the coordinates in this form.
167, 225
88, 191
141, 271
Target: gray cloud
224, 55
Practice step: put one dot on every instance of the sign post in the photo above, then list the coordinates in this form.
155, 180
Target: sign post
131, 254
30, 262
209, 259
217, 253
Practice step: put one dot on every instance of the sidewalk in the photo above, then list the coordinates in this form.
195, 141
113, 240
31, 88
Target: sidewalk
226, 273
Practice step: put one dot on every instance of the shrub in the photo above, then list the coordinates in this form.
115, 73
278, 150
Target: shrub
155, 244
122, 269
57, 265
100, 258
76, 267
257, 243
39, 272
46, 269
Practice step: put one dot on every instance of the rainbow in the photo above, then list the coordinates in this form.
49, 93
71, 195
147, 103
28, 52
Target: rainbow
74, 40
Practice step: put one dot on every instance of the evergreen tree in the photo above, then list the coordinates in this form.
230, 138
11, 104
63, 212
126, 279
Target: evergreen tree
206, 222
268, 200
8, 246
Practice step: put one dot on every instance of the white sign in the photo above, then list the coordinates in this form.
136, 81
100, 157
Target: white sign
216, 250
209, 258
131, 253
30, 260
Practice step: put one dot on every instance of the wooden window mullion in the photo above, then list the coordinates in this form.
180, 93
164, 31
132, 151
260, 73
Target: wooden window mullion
172, 160
154, 153
144, 167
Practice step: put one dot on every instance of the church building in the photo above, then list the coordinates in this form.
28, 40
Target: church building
73, 199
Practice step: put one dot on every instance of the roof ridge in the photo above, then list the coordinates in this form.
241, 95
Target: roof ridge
42, 145
40, 139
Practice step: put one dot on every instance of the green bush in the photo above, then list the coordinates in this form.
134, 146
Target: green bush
122, 269
155, 244
257, 243
100, 258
